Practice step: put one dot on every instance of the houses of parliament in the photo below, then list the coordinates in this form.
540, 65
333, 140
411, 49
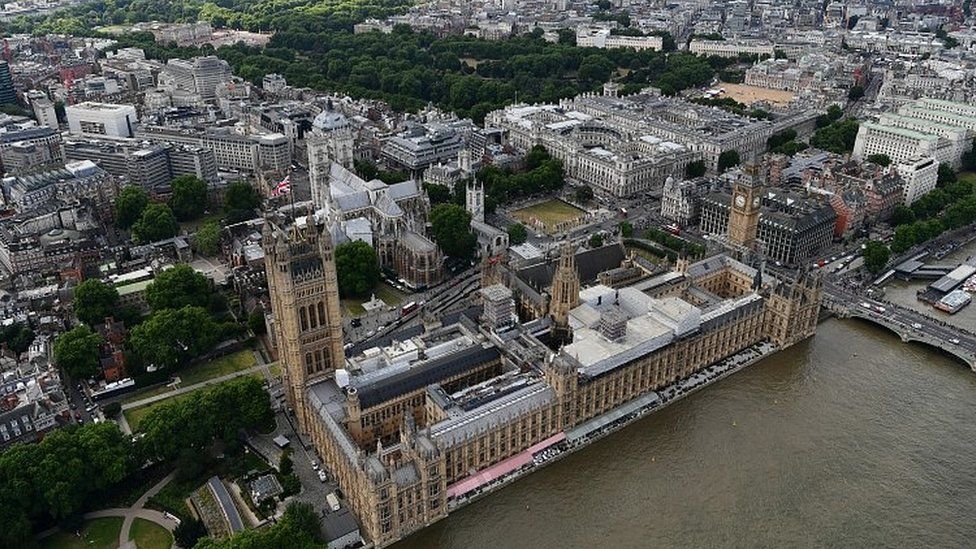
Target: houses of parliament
415, 427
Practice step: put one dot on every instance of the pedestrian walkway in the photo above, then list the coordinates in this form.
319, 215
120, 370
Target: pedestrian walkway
130, 514
195, 386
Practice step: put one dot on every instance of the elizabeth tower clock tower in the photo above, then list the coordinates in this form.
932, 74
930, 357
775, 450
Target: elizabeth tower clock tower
746, 200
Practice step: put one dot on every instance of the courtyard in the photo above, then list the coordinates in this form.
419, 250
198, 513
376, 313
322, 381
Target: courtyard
552, 216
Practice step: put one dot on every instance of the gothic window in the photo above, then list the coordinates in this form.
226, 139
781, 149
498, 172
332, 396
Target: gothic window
322, 313
308, 363
311, 315
304, 318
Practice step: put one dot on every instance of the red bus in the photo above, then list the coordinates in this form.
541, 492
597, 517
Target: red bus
408, 308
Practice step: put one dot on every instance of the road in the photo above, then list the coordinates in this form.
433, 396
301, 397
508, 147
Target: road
906, 319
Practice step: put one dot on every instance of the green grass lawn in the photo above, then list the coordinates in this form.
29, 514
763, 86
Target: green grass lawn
550, 213
149, 535
95, 534
194, 224
224, 365
390, 295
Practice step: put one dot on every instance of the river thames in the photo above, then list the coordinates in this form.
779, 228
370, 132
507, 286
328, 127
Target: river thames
850, 439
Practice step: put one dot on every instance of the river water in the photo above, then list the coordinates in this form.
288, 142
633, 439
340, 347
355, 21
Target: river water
850, 439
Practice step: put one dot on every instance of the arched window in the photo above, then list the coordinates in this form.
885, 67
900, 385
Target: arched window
304, 318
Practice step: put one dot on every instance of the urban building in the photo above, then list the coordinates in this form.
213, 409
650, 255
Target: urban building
411, 429
782, 226
730, 48
200, 75
32, 403
604, 38
421, 146
8, 95
101, 119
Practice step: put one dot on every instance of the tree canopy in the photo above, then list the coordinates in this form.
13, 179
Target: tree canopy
195, 422
880, 159
189, 198
876, 256
77, 352
695, 169
240, 201
18, 337
94, 301
837, 137
59, 476
129, 205
298, 528
179, 287
517, 234
170, 338
157, 223
728, 159
207, 239
357, 267
451, 228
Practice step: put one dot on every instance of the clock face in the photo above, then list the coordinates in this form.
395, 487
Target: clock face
755, 202
740, 200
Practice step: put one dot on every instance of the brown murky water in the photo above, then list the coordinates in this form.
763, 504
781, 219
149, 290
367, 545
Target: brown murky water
851, 439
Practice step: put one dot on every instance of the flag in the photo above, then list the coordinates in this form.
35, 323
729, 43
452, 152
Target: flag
283, 187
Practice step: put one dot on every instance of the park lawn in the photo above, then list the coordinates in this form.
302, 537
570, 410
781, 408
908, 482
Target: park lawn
274, 370
550, 213
193, 225
149, 535
147, 393
102, 533
227, 364
390, 295
646, 254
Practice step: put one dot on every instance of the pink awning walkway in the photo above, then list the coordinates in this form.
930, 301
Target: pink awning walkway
501, 468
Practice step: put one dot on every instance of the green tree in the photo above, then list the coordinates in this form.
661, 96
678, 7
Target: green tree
129, 205
626, 229
94, 301
285, 464
207, 239
728, 159
596, 241
438, 194
695, 169
195, 422
157, 223
946, 175
256, 323
18, 337
517, 234
189, 531
240, 201
595, 68
173, 337
856, 92
902, 215
189, 198
583, 194
451, 228
112, 409
880, 159
179, 287
357, 267
876, 256
77, 352
837, 137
